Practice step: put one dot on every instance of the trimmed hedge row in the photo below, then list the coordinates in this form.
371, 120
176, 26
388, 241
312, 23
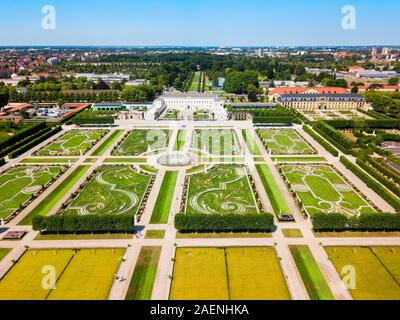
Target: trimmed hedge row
2, 162
224, 223
372, 184
93, 120
382, 179
372, 124
374, 221
21, 135
84, 224
283, 119
21, 143
321, 141
334, 136
33, 143
384, 170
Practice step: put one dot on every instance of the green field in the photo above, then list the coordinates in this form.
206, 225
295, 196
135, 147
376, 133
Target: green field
377, 271
155, 234
85, 274
224, 189
48, 160
9, 129
73, 143
3, 253
321, 189
113, 190
285, 142
251, 143
298, 159
194, 86
141, 285
275, 196
165, 196
247, 273
142, 141
216, 141
21, 184
101, 150
125, 160
310, 273
180, 140
51, 200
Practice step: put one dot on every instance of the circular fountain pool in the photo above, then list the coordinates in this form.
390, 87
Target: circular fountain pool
175, 159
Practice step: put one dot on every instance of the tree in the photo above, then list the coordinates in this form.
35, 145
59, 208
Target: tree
252, 93
354, 90
394, 81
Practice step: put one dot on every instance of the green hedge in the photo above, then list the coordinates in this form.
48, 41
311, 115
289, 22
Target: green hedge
22, 135
93, 120
16, 153
382, 179
22, 142
374, 221
334, 136
224, 223
84, 224
371, 183
2, 162
284, 119
321, 141
388, 172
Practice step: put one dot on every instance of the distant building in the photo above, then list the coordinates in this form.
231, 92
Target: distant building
120, 106
107, 78
274, 94
136, 82
322, 101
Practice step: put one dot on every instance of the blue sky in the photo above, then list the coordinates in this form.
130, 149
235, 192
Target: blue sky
200, 22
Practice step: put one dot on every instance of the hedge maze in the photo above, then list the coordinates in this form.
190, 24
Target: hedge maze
319, 188
19, 185
73, 143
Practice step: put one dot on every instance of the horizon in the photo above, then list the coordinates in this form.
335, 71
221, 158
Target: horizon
176, 23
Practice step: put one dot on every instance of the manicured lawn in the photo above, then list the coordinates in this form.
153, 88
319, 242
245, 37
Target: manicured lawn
321, 188
101, 150
148, 169
355, 234
125, 160
251, 142
223, 189
165, 196
298, 159
155, 234
73, 143
228, 274
85, 274
292, 233
377, 270
285, 141
244, 235
49, 160
275, 196
20, 184
3, 253
141, 285
196, 169
180, 140
51, 200
113, 190
313, 279
216, 141
194, 86
142, 141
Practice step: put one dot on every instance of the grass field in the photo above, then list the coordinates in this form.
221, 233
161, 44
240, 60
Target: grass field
85, 274
3, 253
228, 274
51, 200
49, 160
141, 285
320, 188
313, 279
101, 150
113, 190
216, 141
155, 234
165, 196
73, 143
141, 141
125, 160
251, 142
377, 270
223, 189
194, 86
292, 233
275, 196
20, 184
285, 142
180, 140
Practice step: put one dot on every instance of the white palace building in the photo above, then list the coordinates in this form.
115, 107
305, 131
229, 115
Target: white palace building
187, 104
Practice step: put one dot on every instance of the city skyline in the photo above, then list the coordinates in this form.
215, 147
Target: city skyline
205, 23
